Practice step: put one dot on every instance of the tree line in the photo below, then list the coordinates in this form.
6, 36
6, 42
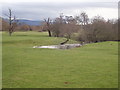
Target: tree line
83, 29
79, 27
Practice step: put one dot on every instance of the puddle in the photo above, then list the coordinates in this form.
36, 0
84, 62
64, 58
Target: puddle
65, 46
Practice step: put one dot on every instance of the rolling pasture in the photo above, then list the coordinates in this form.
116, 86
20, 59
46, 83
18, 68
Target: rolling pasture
90, 66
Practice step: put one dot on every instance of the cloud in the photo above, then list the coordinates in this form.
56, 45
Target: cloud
57, 1
40, 10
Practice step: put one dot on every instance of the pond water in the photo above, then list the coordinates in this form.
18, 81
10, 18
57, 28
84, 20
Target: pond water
65, 46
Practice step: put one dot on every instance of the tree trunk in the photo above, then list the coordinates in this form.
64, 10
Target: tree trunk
49, 32
65, 41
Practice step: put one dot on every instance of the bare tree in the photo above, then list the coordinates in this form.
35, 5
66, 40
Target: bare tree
64, 27
12, 21
57, 24
48, 26
99, 30
82, 19
69, 28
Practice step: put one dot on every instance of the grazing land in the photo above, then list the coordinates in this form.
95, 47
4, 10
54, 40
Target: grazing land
90, 66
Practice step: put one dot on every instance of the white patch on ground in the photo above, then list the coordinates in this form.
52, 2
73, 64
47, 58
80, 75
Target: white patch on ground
65, 46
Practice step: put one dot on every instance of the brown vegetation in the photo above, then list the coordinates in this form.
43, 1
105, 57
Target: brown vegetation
80, 27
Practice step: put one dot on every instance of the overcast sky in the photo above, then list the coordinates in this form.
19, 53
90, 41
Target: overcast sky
40, 9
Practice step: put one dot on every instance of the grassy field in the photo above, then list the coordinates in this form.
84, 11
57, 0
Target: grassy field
89, 66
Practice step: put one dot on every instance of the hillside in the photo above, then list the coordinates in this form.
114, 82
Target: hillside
28, 22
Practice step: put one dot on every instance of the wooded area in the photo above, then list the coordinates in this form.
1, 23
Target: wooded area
79, 27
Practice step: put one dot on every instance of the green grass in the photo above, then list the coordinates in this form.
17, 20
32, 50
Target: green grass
89, 66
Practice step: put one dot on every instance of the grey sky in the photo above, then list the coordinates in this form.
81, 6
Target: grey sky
37, 10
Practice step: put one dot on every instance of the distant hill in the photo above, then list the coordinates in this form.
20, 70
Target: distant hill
30, 22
